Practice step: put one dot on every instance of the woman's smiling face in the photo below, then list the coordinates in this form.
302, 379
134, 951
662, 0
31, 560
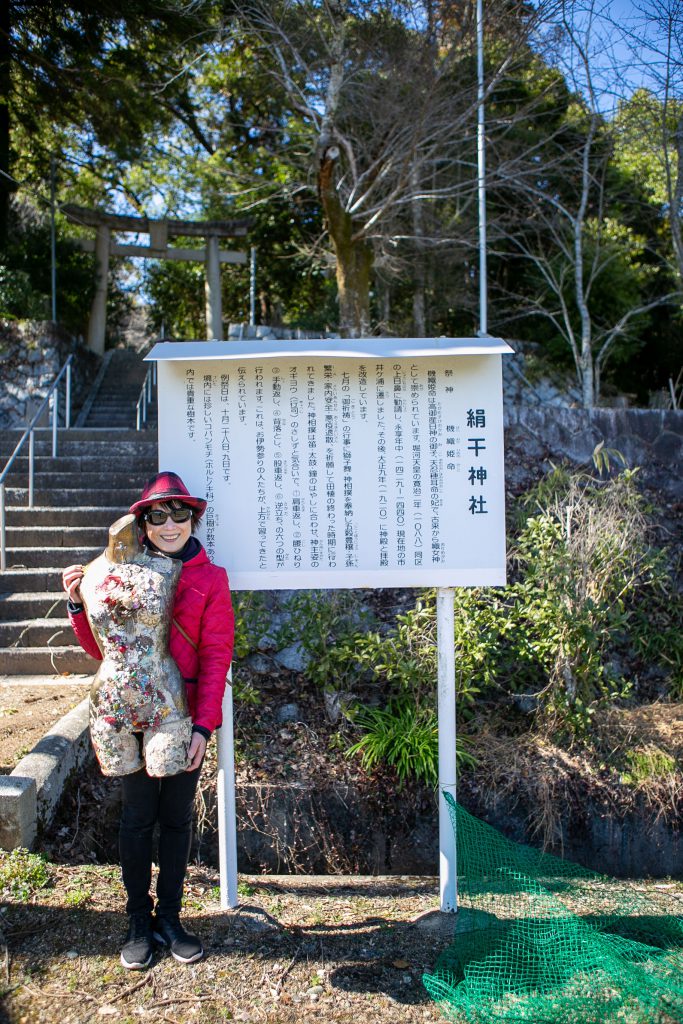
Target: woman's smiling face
170, 537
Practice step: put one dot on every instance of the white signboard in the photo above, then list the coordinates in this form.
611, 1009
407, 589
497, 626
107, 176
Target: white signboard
355, 464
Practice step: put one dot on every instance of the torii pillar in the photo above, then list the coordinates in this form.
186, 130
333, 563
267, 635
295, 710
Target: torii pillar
214, 301
159, 231
97, 323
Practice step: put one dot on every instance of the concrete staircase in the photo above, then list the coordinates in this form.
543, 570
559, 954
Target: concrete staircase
115, 392
96, 476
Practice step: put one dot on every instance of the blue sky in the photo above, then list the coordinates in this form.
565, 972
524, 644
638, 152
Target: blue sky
619, 61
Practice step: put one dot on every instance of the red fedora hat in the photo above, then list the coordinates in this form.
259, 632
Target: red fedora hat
165, 487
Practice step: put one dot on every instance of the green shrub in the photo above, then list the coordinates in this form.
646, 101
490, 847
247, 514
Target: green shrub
251, 621
588, 595
583, 564
22, 873
324, 622
404, 734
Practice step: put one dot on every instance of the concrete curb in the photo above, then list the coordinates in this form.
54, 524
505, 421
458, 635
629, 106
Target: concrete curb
29, 796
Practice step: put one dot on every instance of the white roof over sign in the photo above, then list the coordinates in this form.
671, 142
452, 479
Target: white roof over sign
346, 348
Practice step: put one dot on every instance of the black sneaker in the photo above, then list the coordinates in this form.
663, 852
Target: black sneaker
185, 947
138, 947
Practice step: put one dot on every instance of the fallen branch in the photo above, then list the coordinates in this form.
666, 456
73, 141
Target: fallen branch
281, 980
129, 991
182, 999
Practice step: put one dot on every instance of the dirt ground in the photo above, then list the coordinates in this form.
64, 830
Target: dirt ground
336, 949
28, 711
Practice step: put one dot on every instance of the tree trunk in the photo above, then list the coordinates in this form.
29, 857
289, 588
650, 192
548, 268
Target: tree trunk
586, 362
419, 326
5, 86
354, 255
677, 198
588, 396
354, 270
386, 307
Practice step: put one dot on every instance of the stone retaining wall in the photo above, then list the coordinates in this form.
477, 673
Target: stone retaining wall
31, 355
651, 439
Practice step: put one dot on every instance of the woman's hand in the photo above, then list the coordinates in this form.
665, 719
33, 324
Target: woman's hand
196, 751
71, 581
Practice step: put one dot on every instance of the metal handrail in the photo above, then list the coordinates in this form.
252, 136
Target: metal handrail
145, 396
51, 398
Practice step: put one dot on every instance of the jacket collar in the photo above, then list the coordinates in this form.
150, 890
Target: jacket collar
192, 552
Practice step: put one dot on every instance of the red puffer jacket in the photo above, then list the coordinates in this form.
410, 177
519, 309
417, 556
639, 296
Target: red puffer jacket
203, 610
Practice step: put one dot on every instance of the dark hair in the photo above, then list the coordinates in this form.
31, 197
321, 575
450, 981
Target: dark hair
167, 506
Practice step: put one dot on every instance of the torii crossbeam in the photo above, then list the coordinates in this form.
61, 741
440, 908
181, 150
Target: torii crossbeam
159, 232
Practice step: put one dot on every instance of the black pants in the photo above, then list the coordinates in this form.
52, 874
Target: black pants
169, 801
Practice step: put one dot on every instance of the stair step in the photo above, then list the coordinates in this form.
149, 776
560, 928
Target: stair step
77, 680
43, 437
36, 633
56, 536
124, 417
107, 462
123, 497
39, 605
58, 481
31, 581
114, 462
46, 660
64, 516
120, 397
145, 448
36, 558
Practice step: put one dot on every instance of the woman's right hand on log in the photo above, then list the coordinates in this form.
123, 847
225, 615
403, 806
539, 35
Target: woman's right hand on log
71, 581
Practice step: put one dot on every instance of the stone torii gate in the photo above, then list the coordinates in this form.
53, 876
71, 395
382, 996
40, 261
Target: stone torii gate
159, 232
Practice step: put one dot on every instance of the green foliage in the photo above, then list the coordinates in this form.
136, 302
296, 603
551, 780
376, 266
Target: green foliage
643, 123
251, 621
602, 455
647, 764
655, 631
581, 563
244, 692
25, 268
177, 295
404, 734
22, 874
78, 897
324, 622
405, 737
588, 594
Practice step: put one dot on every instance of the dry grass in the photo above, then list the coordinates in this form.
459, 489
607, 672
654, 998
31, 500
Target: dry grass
549, 780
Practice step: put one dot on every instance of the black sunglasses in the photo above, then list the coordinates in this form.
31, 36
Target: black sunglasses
157, 516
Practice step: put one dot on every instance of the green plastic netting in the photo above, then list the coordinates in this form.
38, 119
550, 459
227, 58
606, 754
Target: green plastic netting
539, 939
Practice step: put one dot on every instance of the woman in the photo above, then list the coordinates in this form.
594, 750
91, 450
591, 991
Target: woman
201, 642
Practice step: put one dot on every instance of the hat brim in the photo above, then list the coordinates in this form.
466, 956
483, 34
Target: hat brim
197, 503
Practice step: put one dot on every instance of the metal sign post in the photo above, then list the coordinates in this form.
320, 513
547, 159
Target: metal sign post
225, 796
445, 623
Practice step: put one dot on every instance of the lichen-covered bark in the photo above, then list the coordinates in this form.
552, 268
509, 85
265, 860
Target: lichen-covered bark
353, 254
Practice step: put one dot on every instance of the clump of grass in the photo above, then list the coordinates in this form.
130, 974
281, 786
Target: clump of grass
648, 764
22, 873
78, 897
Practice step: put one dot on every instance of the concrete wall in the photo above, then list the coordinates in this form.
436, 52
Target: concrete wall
30, 795
651, 439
